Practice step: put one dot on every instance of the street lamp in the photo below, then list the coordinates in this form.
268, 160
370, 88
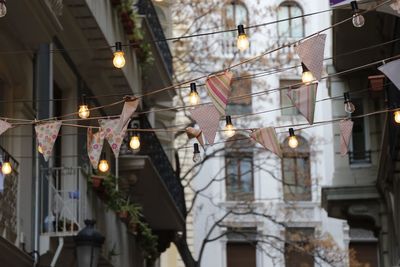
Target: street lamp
88, 245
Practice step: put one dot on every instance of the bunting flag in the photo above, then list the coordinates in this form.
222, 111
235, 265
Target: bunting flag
311, 53
95, 144
207, 117
346, 128
304, 99
111, 132
219, 89
129, 108
268, 139
46, 135
195, 133
396, 6
4, 126
392, 71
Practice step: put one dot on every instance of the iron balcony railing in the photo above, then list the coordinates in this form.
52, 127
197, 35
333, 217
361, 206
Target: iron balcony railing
359, 157
146, 8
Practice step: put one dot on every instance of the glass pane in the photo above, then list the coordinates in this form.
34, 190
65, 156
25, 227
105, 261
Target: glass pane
232, 176
358, 136
241, 15
283, 27
246, 175
296, 24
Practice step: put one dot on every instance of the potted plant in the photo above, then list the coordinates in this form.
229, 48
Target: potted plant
96, 181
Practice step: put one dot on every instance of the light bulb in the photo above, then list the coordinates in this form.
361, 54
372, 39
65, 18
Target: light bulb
83, 112
229, 130
119, 59
358, 20
3, 8
6, 168
135, 142
103, 165
348, 105
292, 142
40, 149
242, 40
397, 116
194, 98
307, 77
196, 153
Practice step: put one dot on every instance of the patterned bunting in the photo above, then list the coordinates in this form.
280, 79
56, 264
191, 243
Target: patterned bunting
346, 128
4, 126
207, 117
304, 100
46, 135
311, 53
267, 138
129, 108
396, 6
392, 70
219, 89
95, 144
195, 133
114, 137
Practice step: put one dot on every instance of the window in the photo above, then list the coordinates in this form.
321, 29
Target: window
359, 153
239, 103
296, 171
285, 100
293, 28
363, 254
239, 168
299, 247
235, 13
240, 254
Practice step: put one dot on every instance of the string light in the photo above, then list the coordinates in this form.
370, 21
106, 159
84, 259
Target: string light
84, 111
103, 164
397, 116
135, 142
40, 149
194, 98
348, 105
292, 142
229, 128
3, 8
242, 40
196, 153
358, 19
119, 59
6, 166
307, 77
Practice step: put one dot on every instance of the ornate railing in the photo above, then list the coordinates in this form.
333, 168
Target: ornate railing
146, 8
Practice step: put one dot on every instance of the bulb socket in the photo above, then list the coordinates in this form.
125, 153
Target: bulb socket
193, 88
196, 148
304, 67
6, 158
346, 97
103, 156
83, 99
291, 132
228, 120
240, 29
354, 6
118, 46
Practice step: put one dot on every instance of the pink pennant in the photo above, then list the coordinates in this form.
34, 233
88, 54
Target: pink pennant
268, 139
95, 144
396, 6
195, 133
129, 108
207, 117
219, 89
4, 126
392, 70
311, 53
114, 137
304, 100
346, 128
46, 135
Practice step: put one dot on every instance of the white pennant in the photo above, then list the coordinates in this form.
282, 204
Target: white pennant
129, 108
46, 135
392, 71
4, 126
114, 137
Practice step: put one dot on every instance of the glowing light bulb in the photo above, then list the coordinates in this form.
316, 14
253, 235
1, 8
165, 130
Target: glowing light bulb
6, 166
292, 142
40, 149
103, 165
3, 8
358, 19
119, 59
194, 98
83, 112
307, 77
242, 40
135, 142
397, 116
229, 130
348, 105
196, 153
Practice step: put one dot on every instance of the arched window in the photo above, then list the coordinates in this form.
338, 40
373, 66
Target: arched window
235, 13
296, 171
240, 100
239, 168
293, 28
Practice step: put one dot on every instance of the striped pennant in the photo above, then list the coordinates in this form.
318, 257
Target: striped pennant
304, 100
268, 139
346, 128
219, 89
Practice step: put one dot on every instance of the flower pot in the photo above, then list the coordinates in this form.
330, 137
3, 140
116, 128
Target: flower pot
97, 181
122, 214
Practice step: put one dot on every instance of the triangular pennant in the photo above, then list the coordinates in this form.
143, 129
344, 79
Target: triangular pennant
46, 135
396, 6
195, 133
392, 70
346, 128
95, 144
114, 137
129, 108
207, 117
304, 99
219, 89
311, 53
4, 126
268, 139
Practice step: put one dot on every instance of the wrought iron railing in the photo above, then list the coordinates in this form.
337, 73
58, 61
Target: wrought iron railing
359, 157
146, 8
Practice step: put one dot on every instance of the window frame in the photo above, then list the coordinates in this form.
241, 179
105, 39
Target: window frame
234, 3
290, 4
308, 232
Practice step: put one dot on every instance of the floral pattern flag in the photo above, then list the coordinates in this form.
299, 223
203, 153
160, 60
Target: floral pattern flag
195, 133
111, 132
392, 70
46, 135
268, 139
207, 117
346, 128
304, 100
129, 108
219, 89
311, 53
4, 126
95, 144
